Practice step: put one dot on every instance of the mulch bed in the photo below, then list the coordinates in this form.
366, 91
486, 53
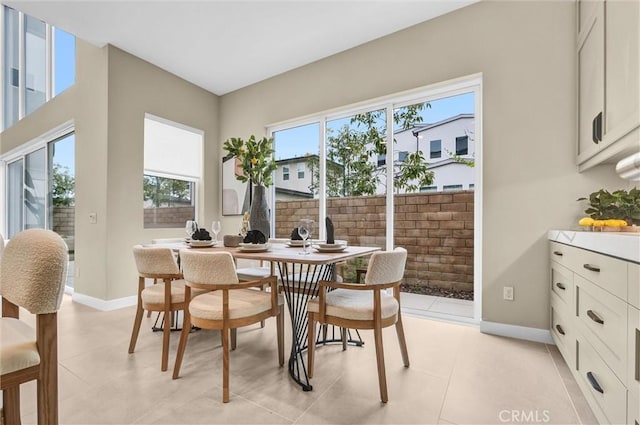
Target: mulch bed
438, 292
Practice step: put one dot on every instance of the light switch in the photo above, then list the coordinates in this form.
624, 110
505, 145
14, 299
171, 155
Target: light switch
93, 218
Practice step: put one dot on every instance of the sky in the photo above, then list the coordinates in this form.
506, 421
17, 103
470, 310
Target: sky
299, 141
65, 76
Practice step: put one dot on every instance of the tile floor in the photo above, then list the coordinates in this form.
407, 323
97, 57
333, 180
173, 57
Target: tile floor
457, 376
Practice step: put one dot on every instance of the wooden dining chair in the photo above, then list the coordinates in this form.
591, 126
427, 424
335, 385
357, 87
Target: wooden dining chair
33, 270
364, 306
230, 304
167, 296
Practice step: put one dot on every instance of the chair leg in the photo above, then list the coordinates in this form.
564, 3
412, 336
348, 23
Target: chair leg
382, 378
136, 328
402, 341
166, 332
225, 365
311, 343
280, 333
184, 335
234, 338
11, 405
343, 333
47, 383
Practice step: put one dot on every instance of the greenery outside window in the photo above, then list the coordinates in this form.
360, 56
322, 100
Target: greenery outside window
168, 202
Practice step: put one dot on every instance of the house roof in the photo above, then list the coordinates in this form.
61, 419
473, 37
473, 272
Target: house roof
420, 129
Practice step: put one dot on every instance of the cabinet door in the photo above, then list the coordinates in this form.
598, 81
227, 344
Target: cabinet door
590, 83
622, 61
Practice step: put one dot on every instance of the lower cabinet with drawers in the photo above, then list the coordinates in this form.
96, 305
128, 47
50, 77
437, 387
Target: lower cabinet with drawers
595, 322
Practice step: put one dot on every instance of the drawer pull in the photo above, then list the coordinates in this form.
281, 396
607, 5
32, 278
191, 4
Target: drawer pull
591, 268
561, 286
558, 253
594, 317
594, 383
560, 330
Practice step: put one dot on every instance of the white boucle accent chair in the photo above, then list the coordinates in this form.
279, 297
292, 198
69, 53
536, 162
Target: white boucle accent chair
167, 296
364, 306
33, 270
229, 305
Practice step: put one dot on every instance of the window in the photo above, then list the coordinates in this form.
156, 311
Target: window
382, 160
64, 56
472, 186
301, 169
11, 65
285, 173
462, 145
402, 156
35, 87
39, 63
452, 187
435, 150
172, 170
38, 180
428, 188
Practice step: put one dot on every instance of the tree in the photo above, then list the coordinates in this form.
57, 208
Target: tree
353, 151
63, 187
164, 192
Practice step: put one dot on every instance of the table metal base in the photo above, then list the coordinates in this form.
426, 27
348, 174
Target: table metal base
300, 284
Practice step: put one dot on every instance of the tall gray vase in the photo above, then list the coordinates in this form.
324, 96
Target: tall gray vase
259, 218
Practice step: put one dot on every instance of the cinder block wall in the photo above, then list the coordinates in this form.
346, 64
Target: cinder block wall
435, 228
168, 217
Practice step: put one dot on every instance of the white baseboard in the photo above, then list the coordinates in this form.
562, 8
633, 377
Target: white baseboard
519, 332
105, 305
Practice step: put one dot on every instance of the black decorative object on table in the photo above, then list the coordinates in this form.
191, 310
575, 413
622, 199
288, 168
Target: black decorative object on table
201, 235
330, 235
255, 236
295, 236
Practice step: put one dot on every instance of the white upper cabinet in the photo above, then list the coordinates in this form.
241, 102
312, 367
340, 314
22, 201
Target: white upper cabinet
608, 80
590, 77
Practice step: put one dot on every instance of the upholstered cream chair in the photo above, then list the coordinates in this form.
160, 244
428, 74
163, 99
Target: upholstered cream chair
167, 296
364, 306
33, 269
230, 305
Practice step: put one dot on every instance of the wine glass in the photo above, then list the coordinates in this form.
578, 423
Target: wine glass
190, 227
304, 230
215, 228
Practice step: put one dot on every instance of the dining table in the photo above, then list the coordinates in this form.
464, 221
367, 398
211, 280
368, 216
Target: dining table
299, 275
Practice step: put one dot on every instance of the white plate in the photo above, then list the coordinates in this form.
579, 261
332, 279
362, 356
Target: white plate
295, 243
336, 245
333, 248
254, 247
201, 244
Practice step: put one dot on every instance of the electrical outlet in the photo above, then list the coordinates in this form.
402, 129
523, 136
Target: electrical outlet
507, 293
93, 218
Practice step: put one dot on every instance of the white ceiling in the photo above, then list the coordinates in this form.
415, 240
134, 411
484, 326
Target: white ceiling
226, 45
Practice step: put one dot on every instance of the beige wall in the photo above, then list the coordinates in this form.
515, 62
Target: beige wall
113, 91
525, 51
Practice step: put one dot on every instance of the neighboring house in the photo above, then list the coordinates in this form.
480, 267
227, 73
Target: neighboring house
438, 142
293, 179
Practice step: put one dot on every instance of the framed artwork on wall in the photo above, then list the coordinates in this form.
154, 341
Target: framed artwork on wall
236, 196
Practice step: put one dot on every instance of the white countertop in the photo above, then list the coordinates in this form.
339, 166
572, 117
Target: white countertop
624, 245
